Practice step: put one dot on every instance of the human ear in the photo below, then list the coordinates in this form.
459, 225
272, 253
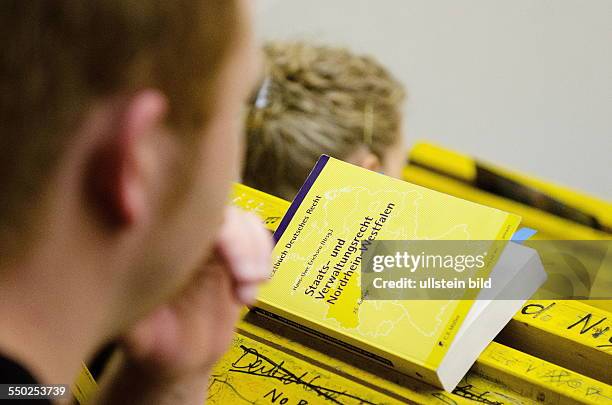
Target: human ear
118, 172
369, 161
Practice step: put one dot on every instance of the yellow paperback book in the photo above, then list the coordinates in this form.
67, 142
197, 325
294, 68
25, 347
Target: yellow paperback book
315, 284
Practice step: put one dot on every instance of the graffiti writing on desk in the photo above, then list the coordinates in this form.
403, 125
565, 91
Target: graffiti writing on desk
445, 399
596, 391
598, 328
468, 392
248, 204
214, 390
562, 377
502, 357
271, 220
538, 311
253, 363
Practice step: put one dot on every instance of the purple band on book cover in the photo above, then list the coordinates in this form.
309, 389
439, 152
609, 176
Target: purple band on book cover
297, 201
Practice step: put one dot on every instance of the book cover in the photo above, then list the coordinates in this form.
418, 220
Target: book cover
315, 283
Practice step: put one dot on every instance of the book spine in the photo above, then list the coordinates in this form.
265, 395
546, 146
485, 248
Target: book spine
369, 354
313, 332
297, 201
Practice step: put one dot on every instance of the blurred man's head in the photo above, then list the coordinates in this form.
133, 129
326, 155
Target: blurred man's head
119, 134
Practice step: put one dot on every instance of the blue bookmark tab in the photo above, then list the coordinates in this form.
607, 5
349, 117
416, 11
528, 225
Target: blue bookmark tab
523, 234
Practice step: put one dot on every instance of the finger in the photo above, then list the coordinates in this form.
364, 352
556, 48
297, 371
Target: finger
231, 245
263, 245
246, 293
245, 245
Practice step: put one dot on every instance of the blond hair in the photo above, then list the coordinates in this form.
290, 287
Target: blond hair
60, 56
317, 100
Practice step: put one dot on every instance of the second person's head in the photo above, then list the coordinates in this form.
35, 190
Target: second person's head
321, 100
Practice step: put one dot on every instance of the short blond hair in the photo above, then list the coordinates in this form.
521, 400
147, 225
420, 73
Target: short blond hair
60, 56
315, 100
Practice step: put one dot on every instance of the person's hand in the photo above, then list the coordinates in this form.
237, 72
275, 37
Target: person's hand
186, 337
